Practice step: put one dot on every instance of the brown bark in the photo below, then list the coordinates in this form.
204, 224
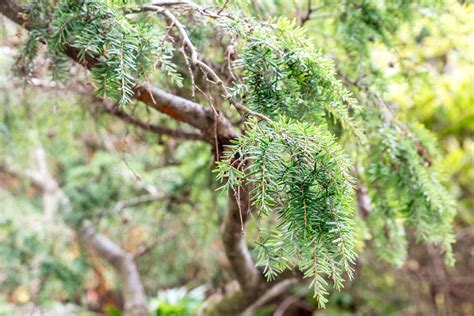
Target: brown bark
205, 119
124, 263
251, 288
235, 245
113, 109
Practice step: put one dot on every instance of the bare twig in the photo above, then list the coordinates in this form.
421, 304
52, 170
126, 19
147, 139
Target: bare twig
196, 61
147, 198
115, 110
278, 289
223, 7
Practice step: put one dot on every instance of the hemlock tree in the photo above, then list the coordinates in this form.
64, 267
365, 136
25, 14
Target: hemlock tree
304, 144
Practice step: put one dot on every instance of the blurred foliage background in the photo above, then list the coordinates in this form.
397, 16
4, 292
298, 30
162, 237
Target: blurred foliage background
427, 71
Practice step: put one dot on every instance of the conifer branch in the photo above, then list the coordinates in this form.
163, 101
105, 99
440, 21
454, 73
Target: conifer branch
174, 106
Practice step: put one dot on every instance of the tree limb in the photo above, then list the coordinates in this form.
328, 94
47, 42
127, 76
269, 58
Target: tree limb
115, 110
174, 106
235, 245
123, 262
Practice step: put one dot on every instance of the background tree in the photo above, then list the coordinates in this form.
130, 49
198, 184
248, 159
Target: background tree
300, 117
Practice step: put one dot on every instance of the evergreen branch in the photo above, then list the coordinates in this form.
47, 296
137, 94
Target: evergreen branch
123, 262
309, 177
196, 61
178, 108
160, 130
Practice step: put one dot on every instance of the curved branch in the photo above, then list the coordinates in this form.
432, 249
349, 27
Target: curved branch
115, 110
235, 245
181, 109
188, 112
124, 262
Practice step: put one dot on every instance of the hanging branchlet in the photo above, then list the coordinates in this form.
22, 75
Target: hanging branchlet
406, 189
284, 74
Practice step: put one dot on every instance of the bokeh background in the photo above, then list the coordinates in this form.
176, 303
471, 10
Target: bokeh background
428, 73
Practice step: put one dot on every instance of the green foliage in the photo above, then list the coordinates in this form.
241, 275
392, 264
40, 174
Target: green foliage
178, 301
127, 50
296, 164
285, 74
365, 21
300, 174
70, 274
406, 186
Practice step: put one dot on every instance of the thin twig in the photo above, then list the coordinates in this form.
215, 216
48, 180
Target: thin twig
145, 248
196, 61
157, 129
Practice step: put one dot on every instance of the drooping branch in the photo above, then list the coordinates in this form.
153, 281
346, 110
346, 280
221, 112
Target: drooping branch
174, 106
